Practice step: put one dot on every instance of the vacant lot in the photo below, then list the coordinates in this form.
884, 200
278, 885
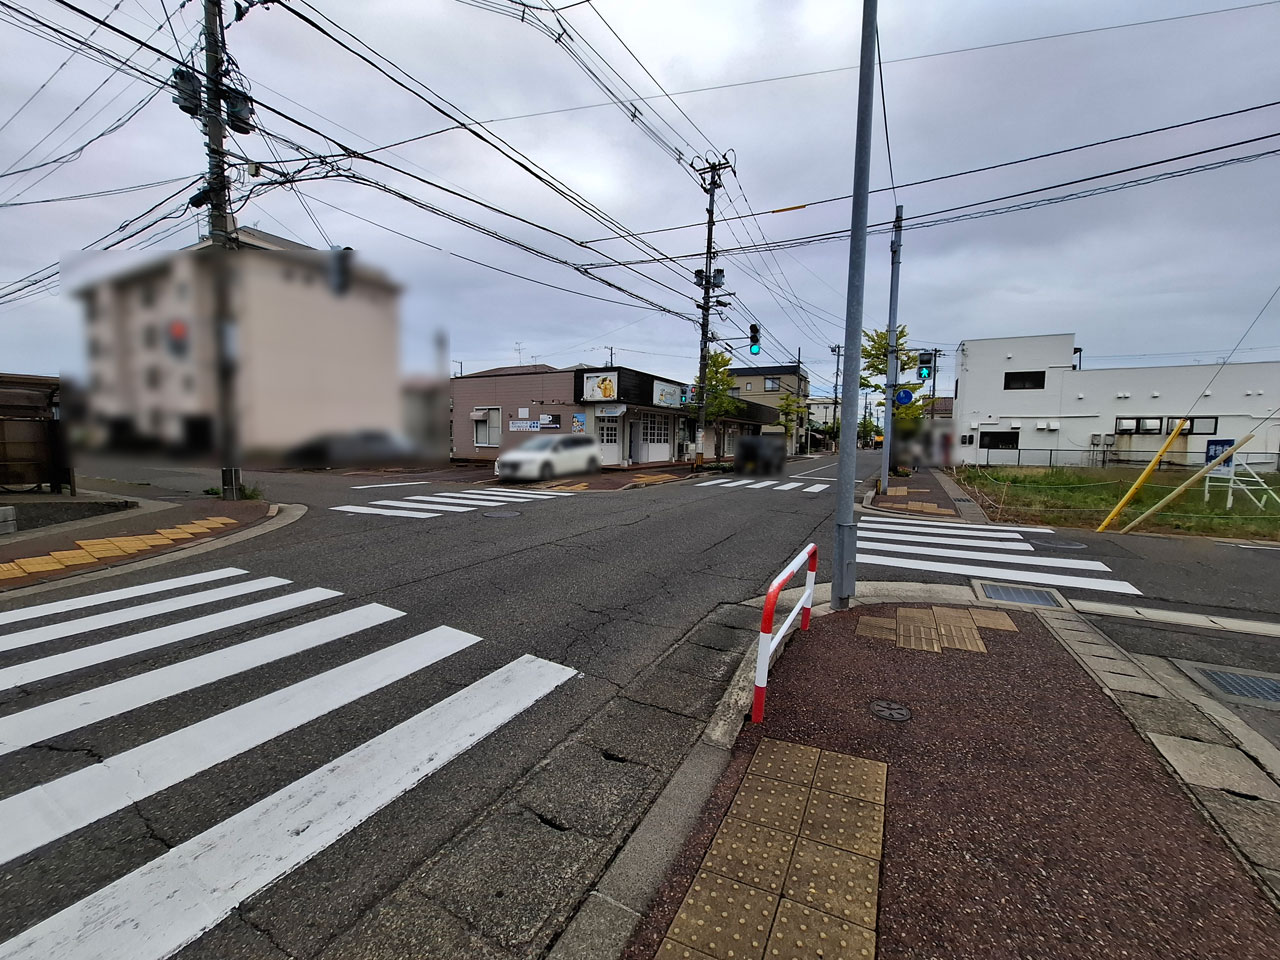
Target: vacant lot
1083, 497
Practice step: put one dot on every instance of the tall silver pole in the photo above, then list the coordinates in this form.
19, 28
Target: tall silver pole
845, 551
891, 369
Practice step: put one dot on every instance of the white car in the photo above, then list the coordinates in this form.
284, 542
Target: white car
542, 458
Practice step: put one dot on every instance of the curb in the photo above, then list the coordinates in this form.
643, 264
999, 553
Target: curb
142, 508
278, 515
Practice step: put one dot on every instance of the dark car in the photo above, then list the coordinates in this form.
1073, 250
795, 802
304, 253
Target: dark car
359, 448
765, 453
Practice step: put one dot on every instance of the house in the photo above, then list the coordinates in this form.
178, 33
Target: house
1027, 400
768, 385
308, 361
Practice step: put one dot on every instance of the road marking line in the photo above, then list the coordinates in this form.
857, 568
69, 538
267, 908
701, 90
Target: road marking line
926, 528
761, 484
975, 555
711, 483
159, 908
382, 512
737, 483
435, 503
111, 596
800, 476
805, 474
60, 663
877, 534
69, 628
921, 521
79, 710
993, 573
418, 506
816, 488
505, 496
1250, 546
477, 501
405, 483
787, 486
52, 810
537, 493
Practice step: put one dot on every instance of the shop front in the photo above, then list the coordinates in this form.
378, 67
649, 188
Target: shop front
637, 417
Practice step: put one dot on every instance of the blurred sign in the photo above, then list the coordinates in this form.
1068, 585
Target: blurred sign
666, 394
579, 423
549, 421
600, 386
523, 426
1213, 449
610, 409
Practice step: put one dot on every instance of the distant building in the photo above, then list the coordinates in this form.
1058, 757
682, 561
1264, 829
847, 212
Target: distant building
309, 362
1027, 400
768, 385
823, 410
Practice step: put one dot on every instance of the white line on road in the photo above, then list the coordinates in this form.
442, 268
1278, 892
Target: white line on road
538, 493
805, 474
801, 476
384, 512
60, 663
157, 909
787, 486
403, 483
486, 501
877, 533
69, 628
1017, 576
816, 488
111, 596
761, 484
975, 555
44, 813
421, 506
506, 496
737, 483
435, 503
947, 524
933, 528
1250, 546
79, 710
712, 483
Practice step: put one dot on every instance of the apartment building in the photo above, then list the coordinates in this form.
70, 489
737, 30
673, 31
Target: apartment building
768, 385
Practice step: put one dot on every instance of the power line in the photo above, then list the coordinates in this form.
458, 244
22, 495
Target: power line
113, 192
884, 113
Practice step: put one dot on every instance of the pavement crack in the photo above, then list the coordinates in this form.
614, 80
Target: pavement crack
152, 830
89, 752
264, 931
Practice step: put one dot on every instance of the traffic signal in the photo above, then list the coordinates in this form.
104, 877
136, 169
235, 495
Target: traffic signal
187, 95
925, 364
755, 338
684, 393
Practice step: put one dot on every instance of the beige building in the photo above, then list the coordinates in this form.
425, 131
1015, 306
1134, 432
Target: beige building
768, 385
308, 361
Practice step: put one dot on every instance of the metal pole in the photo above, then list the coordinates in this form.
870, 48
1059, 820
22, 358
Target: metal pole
714, 170
891, 368
835, 397
845, 552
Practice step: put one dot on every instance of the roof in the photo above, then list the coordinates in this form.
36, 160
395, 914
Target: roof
940, 406
508, 371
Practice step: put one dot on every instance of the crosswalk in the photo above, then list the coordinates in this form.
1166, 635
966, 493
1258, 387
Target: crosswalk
151, 912
984, 551
427, 506
728, 483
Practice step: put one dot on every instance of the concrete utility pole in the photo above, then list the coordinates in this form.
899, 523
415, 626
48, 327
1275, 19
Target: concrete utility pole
837, 349
220, 229
712, 183
844, 554
891, 370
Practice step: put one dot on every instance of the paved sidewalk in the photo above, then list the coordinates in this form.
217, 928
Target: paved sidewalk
920, 494
1023, 814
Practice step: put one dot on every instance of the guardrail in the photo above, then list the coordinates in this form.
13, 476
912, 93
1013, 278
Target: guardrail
768, 639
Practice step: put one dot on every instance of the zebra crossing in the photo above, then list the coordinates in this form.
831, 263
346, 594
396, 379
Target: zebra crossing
727, 483
427, 506
153, 911
985, 551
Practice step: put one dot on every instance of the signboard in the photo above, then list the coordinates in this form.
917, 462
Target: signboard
610, 409
523, 426
549, 421
579, 423
903, 397
665, 394
600, 386
1215, 448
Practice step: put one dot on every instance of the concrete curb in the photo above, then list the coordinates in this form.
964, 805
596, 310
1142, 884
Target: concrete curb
278, 515
70, 526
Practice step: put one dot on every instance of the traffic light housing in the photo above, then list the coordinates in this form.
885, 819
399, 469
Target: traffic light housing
187, 91
755, 338
925, 365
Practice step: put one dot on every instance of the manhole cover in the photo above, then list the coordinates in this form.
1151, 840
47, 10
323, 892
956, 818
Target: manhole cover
503, 514
890, 710
1060, 544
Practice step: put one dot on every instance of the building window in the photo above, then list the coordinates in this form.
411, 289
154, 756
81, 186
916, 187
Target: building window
181, 290
747, 386
152, 377
607, 429
655, 428
1024, 380
1205, 425
734, 391
998, 440
147, 294
150, 337
1150, 424
488, 426
771, 385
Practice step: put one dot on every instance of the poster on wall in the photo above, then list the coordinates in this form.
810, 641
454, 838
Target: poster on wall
600, 386
665, 394
579, 424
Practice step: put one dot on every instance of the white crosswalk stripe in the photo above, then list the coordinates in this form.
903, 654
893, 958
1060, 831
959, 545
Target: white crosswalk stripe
171, 901
728, 483
982, 551
444, 502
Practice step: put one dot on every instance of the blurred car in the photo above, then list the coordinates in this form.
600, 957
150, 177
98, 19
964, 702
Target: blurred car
542, 458
359, 448
764, 453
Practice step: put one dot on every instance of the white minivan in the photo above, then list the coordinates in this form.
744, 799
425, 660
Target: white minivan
543, 457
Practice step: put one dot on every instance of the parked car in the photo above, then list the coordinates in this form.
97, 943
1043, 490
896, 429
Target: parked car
762, 454
359, 448
542, 458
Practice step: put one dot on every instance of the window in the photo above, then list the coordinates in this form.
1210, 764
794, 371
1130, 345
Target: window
747, 386
153, 378
733, 391
181, 290
147, 294
1150, 424
1024, 380
1206, 425
488, 426
150, 337
771, 384
655, 428
607, 429
998, 440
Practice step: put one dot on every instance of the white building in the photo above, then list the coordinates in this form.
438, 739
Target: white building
823, 410
1026, 400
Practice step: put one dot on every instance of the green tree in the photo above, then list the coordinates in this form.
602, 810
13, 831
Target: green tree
875, 363
868, 429
792, 411
721, 404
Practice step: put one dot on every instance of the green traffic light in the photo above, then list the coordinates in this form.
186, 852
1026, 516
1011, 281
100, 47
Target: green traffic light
755, 348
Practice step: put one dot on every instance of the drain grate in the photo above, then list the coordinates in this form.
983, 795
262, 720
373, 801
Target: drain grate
1244, 685
1009, 594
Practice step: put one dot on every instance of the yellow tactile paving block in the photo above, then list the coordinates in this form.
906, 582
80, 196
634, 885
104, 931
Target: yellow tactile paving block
9, 571
156, 540
192, 529
782, 760
38, 564
802, 933
961, 637
670, 950
130, 544
723, 919
208, 524
750, 853
841, 884
101, 548
896, 492
878, 628
72, 557
852, 825
173, 533
770, 802
849, 776
993, 619
958, 615
224, 519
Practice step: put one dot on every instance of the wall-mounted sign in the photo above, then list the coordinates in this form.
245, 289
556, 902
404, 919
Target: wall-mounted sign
579, 423
666, 394
600, 386
610, 409
549, 421
523, 426
1213, 449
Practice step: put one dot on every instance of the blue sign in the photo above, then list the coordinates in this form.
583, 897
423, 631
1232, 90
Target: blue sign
903, 397
1213, 449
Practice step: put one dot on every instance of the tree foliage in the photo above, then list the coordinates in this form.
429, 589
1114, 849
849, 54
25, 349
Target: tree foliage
792, 411
875, 363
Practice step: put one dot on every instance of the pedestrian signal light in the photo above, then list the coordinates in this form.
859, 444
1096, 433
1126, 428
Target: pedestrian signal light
925, 365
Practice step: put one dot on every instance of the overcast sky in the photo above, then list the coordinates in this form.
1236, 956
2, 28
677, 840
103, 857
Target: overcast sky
1177, 268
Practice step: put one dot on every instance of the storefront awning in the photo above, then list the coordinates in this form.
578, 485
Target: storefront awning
479, 414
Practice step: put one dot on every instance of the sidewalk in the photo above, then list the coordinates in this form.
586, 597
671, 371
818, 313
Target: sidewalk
1017, 813
921, 494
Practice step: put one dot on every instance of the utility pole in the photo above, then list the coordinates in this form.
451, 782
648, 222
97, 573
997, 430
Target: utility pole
891, 371
845, 552
223, 243
712, 183
837, 349
866, 412
933, 384
610, 349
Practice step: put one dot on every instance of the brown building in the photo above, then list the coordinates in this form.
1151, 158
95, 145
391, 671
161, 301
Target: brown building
768, 385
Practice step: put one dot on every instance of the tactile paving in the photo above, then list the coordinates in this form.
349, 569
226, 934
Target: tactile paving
781, 760
751, 854
961, 637
853, 825
880, 628
993, 619
802, 933
723, 919
915, 615
952, 615
770, 802
917, 637
851, 776
673, 950
842, 884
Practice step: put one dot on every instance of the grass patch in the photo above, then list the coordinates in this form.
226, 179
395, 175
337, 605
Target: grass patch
1083, 497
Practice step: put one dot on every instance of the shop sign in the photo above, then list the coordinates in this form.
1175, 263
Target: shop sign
600, 386
665, 394
610, 409
523, 426
549, 421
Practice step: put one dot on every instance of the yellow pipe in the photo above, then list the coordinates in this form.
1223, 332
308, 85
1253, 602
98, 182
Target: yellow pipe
1181, 488
1137, 484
